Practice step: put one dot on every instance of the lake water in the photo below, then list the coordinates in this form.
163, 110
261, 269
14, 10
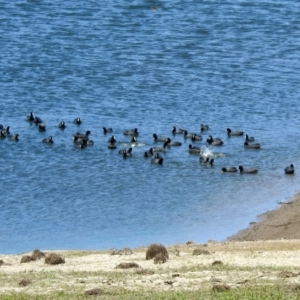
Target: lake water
126, 64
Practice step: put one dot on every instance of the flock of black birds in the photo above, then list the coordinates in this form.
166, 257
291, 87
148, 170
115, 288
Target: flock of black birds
82, 140
204, 160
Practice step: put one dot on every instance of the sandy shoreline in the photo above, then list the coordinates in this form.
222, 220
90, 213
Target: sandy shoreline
233, 265
264, 250
281, 223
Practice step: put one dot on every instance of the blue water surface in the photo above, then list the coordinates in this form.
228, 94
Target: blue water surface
146, 65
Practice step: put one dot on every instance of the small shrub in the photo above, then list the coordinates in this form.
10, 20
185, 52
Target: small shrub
199, 251
54, 259
1, 262
160, 258
155, 249
94, 292
26, 259
24, 282
37, 254
129, 265
217, 262
189, 243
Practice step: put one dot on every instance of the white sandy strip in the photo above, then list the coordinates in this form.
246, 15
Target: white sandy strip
251, 254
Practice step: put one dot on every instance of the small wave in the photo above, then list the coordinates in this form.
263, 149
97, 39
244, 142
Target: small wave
133, 144
207, 152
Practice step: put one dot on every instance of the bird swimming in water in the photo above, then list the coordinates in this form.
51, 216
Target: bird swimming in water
61, 125
134, 132
247, 171
251, 146
214, 141
148, 153
37, 120
48, 140
249, 138
126, 153
106, 130
160, 149
129, 151
30, 117
290, 169
77, 121
187, 135
229, 170
234, 133
159, 138
42, 126
14, 137
112, 139
194, 149
133, 140
6, 132
206, 161
157, 159
177, 130
173, 143
78, 137
196, 137
204, 127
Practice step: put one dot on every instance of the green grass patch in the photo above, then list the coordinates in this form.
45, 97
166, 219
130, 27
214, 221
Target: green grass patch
254, 293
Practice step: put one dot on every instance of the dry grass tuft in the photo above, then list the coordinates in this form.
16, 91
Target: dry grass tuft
54, 259
155, 249
129, 265
176, 252
199, 251
144, 272
215, 279
220, 287
26, 259
124, 251
160, 258
287, 274
295, 287
37, 254
24, 282
94, 292
217, 262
